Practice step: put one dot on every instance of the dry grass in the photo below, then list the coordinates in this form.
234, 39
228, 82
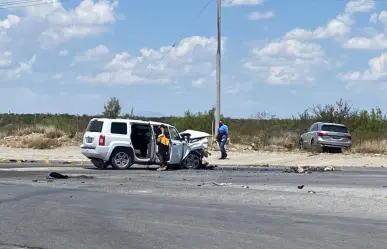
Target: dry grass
48, 137
38, 137
370, 146
285, 141
48, 131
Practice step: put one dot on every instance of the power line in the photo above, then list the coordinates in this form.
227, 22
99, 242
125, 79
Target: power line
20, 4
177, 40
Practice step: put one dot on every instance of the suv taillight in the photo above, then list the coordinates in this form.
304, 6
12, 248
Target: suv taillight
321, 134
101, 140
348, 137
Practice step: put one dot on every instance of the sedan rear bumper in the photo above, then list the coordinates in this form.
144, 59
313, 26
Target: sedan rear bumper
335, 145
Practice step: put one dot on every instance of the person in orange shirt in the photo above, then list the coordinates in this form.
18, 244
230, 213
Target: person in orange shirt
163, 149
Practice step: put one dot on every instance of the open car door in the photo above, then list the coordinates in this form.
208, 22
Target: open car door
177, 146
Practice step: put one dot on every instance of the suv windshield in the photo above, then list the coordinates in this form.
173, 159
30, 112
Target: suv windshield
95, 126
334, 128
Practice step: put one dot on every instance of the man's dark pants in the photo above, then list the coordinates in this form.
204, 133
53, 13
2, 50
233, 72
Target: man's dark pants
222, 148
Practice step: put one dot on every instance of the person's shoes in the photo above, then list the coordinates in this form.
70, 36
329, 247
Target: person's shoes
222, 158
162, 169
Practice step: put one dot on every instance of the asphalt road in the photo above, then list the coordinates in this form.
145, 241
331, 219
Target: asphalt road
142, 209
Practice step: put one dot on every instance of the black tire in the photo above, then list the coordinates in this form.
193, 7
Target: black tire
315, 147
122, 159
192, 161
100, 164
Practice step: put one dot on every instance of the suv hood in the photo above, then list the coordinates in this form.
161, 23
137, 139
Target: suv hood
196, 134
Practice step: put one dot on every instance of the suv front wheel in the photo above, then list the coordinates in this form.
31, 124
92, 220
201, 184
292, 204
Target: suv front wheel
192, 161
122, 159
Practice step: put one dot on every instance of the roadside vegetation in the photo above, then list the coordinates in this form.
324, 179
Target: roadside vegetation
262, 131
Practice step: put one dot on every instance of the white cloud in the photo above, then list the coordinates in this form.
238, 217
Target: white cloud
290, 48
92, 54
10, 21
373, 18
199, 82
88, 18
4, 37
377, 42
24, 67
354, 6
285, 61
377, 70
383, 18
335, 28
58, 76
241, 2
63, 52
261, 15
192, 57
5, 59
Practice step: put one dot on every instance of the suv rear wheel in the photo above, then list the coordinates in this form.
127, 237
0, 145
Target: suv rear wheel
122, 159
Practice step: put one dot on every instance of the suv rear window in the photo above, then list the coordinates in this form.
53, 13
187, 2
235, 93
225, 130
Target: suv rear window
119, 128
95, 126
334, 128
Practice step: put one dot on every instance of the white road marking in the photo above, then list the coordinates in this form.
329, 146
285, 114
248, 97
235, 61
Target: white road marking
143, 191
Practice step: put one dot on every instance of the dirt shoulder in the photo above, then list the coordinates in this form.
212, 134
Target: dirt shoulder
235, 158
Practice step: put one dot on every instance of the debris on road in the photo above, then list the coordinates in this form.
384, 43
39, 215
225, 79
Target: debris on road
311, 192
294, 169
245, 187
308, 169
301, 186
329, 168
56, 175
221, 184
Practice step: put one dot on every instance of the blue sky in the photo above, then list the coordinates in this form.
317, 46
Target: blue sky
278, 58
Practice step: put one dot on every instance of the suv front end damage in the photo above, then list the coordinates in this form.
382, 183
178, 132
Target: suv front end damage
197, 149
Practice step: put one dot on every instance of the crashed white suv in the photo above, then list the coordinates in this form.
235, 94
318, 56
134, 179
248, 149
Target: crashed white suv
124, 142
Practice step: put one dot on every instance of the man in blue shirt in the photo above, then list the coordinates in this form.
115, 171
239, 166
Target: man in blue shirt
222, 138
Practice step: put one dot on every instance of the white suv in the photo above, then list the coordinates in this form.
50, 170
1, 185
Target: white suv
124, 142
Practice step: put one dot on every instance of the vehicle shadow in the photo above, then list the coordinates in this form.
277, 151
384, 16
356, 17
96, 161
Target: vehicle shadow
151, 168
